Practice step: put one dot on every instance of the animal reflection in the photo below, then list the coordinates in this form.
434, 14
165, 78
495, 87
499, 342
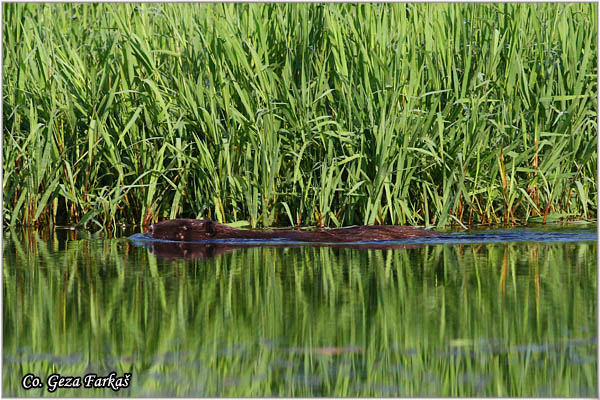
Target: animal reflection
202, 251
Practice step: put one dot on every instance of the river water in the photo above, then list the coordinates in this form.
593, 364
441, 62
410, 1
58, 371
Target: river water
485, 313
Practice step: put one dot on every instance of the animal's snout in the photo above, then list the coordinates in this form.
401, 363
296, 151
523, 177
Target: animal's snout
151, 230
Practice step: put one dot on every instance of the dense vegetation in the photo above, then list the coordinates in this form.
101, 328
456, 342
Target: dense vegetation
311, 114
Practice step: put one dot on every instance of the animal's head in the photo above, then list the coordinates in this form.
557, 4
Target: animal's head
185, 230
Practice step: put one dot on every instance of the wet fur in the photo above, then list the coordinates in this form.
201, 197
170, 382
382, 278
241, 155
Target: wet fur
192, 230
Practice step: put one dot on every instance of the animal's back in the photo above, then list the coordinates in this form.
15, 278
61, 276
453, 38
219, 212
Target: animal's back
201, 230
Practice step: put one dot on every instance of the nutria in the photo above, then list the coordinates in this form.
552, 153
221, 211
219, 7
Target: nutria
192, 230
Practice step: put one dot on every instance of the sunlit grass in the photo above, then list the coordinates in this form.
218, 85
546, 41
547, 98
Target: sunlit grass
310, 114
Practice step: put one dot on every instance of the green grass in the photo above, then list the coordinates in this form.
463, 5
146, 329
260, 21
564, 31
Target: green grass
299, 114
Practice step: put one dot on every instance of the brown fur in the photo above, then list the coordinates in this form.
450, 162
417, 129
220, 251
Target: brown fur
191, 230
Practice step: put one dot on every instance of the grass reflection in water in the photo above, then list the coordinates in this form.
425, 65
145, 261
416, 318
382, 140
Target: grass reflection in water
503, 319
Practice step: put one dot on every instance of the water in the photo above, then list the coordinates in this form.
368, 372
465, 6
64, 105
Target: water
548, 234
488, 313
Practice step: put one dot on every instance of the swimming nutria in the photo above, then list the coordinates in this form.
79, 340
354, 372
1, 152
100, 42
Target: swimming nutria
192, 230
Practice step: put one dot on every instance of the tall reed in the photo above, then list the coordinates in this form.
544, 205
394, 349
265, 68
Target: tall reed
299, 114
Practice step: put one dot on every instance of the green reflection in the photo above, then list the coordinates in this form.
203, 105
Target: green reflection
447, 320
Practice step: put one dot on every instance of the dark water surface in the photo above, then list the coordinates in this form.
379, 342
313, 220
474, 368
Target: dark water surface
487, 313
